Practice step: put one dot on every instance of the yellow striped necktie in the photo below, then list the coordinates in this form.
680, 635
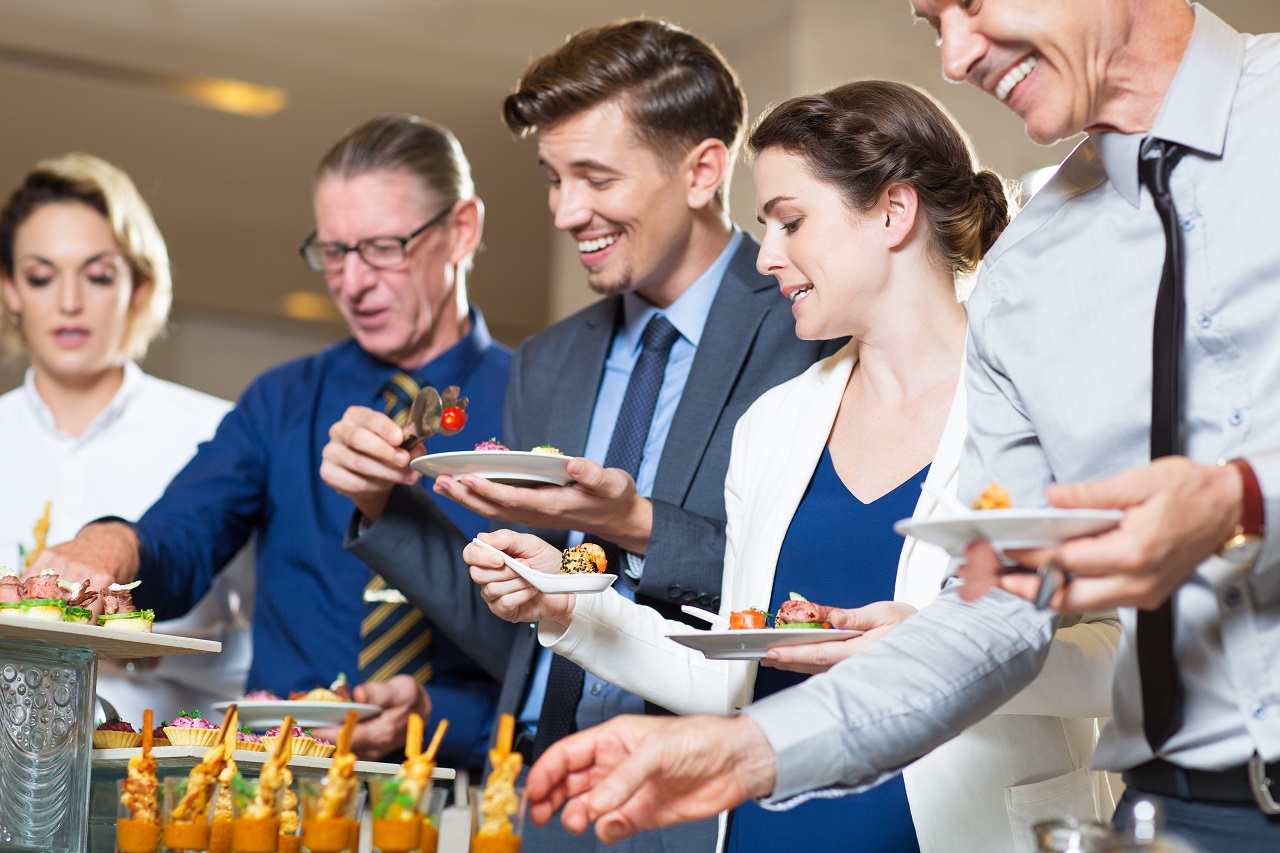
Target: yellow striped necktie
395, 637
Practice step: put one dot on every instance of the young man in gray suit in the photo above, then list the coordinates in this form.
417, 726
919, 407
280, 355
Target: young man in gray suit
638, 124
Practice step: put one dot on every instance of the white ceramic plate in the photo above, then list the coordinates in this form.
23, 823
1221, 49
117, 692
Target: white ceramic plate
513, 467
583, 584
1010, 528
752, 643
269, 714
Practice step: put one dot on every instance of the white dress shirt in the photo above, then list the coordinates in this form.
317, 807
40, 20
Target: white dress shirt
118, 466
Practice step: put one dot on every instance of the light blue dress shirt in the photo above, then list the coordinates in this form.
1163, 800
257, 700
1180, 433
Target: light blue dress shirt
600, 699
1059, 379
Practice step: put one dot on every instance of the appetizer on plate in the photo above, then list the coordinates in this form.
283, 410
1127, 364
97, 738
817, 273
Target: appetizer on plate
338, 691
797, 612
994, 496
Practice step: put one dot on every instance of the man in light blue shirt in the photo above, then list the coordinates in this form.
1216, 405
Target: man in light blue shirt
637, 125
1060, 376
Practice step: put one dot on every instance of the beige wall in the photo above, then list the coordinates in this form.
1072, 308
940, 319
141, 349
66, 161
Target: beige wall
232, 194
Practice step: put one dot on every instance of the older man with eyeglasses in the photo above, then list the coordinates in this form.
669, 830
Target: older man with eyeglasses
397, 225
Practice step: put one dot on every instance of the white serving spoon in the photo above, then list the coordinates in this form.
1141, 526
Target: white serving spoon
715, 619
945, 499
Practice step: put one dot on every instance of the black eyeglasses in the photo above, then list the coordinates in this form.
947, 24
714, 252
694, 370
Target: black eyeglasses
381, 253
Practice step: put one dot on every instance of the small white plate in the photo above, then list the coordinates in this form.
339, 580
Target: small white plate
582, 584
1010, 528
752, 643
513, 467
269, 713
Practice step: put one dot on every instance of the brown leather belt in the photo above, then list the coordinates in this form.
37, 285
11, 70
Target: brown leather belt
1244, 783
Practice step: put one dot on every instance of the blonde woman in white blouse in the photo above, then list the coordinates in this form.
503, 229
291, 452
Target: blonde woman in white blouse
86, 287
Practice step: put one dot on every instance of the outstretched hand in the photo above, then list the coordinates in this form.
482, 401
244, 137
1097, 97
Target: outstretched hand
601, 501
105, 552
635, 773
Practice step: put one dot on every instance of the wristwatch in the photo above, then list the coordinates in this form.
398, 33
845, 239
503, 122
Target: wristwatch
1245, 544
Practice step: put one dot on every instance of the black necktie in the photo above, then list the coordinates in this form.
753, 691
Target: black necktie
1162, 691
626, 447
394, 637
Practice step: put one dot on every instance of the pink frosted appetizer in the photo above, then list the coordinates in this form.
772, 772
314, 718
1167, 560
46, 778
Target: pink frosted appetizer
492, 444
191, 729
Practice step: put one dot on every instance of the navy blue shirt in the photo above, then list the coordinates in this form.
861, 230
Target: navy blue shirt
260, 474
842, 552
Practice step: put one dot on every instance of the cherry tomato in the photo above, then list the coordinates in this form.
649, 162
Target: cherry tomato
453, 419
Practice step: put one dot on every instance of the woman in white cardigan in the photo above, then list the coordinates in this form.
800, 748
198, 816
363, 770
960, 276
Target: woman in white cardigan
872, 207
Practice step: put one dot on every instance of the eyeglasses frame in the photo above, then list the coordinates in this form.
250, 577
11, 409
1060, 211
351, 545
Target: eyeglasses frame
403, 241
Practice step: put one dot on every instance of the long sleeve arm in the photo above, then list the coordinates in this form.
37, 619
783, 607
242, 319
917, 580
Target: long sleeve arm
418, 550
939, 672
206, 514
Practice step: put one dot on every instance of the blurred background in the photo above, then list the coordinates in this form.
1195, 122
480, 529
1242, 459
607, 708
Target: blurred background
153, 86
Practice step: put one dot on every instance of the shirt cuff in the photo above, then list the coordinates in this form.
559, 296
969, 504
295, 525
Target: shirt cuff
634, 569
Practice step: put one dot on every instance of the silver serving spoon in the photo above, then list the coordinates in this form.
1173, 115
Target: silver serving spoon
424, 410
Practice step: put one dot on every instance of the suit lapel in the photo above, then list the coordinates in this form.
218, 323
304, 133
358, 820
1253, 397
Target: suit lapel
582, 371
732, 325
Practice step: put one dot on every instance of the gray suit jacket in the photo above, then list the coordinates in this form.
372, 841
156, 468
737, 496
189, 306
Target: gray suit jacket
748, 346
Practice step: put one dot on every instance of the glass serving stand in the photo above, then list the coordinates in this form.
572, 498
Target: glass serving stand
48, 673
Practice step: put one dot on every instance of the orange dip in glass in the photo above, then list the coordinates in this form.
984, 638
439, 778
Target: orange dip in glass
220, 836
137, 836
397, 836
326, 834
430, 836
498, 842
255, 834
186, 836
289, 844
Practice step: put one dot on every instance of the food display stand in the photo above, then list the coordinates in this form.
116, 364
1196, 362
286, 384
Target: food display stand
48, 673
48, 767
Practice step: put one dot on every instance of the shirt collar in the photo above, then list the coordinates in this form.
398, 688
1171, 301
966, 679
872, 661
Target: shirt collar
457, 361
44, 415
690, 310
1196, 109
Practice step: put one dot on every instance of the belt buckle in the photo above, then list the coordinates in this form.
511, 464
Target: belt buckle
1260, 785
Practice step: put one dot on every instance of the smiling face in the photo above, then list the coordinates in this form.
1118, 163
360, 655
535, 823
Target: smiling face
404, 315
1047, 60
73, 290
828, 260
628, 210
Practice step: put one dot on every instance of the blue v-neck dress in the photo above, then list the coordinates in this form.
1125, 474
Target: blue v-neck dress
843, 552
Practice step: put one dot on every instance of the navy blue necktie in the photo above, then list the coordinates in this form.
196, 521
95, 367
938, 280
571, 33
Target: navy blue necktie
1162, 691
626, 447
394, 637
